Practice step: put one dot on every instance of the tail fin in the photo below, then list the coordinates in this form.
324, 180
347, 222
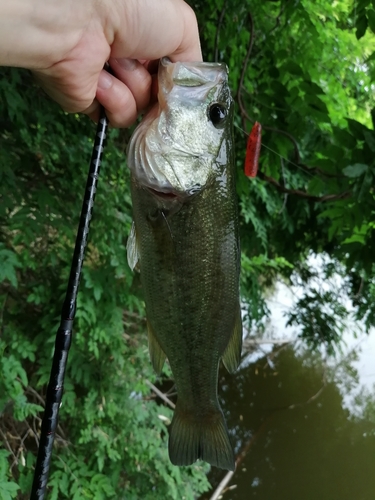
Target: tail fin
206, 438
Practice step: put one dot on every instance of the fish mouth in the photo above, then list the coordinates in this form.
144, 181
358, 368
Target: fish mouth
163, 195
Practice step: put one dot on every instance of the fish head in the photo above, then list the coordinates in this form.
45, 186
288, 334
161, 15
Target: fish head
179, 146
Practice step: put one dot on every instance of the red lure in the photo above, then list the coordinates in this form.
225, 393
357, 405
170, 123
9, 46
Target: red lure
254, 143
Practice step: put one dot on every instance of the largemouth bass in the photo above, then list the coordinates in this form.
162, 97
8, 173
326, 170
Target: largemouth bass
184, 240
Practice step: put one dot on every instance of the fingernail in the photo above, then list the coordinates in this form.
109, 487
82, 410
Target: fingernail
127, 64
105, 80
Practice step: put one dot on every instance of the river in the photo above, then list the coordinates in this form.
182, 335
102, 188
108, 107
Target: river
305, 422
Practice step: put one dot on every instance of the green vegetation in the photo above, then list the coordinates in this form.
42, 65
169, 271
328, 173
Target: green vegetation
309, 78
306, 72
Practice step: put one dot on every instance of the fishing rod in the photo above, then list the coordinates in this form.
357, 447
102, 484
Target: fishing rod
64, 332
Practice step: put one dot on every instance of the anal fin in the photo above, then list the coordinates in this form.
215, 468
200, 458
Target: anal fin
232, 353
157, 354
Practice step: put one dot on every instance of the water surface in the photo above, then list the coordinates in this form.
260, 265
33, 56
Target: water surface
303, 441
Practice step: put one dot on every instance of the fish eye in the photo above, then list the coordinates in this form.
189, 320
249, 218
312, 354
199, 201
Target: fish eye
217, 113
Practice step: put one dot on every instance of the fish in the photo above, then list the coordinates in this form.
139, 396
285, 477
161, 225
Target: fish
185, 243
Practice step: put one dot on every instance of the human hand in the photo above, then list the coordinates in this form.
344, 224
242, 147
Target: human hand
66, 44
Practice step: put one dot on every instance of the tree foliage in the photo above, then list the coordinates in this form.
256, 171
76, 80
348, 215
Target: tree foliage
305, 69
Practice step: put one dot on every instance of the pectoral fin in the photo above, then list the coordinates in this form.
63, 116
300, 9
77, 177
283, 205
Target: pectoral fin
232, 354
132, 249
157, 355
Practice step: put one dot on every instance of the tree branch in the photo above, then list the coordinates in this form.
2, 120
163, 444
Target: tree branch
244, 68
161, 395
304, 194
218, 27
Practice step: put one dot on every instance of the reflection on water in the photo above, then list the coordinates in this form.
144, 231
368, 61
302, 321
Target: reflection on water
304, 442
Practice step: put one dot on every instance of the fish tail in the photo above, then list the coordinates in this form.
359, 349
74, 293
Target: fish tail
206, 438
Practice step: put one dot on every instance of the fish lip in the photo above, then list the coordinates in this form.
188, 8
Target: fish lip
168, 196
173, 196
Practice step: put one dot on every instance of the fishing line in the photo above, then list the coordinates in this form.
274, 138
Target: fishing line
166, 221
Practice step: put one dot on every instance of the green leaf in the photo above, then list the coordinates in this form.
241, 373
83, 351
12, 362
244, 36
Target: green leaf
9, 261
371, 58
361, 4
98, 292
355, 170
370, 139
345, 138
11, 487
292, 67
366, 185
316, 186
356, 128
361, 26
311, 88
332, 213
358, 236
371, 19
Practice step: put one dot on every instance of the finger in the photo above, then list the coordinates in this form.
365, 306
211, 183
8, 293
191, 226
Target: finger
164, 28
93, 111
74, 94
136, 77
117, 99
189, 48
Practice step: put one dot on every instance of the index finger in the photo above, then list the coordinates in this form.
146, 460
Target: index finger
190, 47
156, 29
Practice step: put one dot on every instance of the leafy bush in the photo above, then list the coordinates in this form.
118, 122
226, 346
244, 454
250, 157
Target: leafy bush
111, 441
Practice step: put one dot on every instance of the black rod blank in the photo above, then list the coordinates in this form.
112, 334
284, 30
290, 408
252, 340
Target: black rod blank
64, 332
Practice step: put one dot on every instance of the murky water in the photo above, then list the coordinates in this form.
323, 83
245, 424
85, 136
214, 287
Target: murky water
306, 424
302, 441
